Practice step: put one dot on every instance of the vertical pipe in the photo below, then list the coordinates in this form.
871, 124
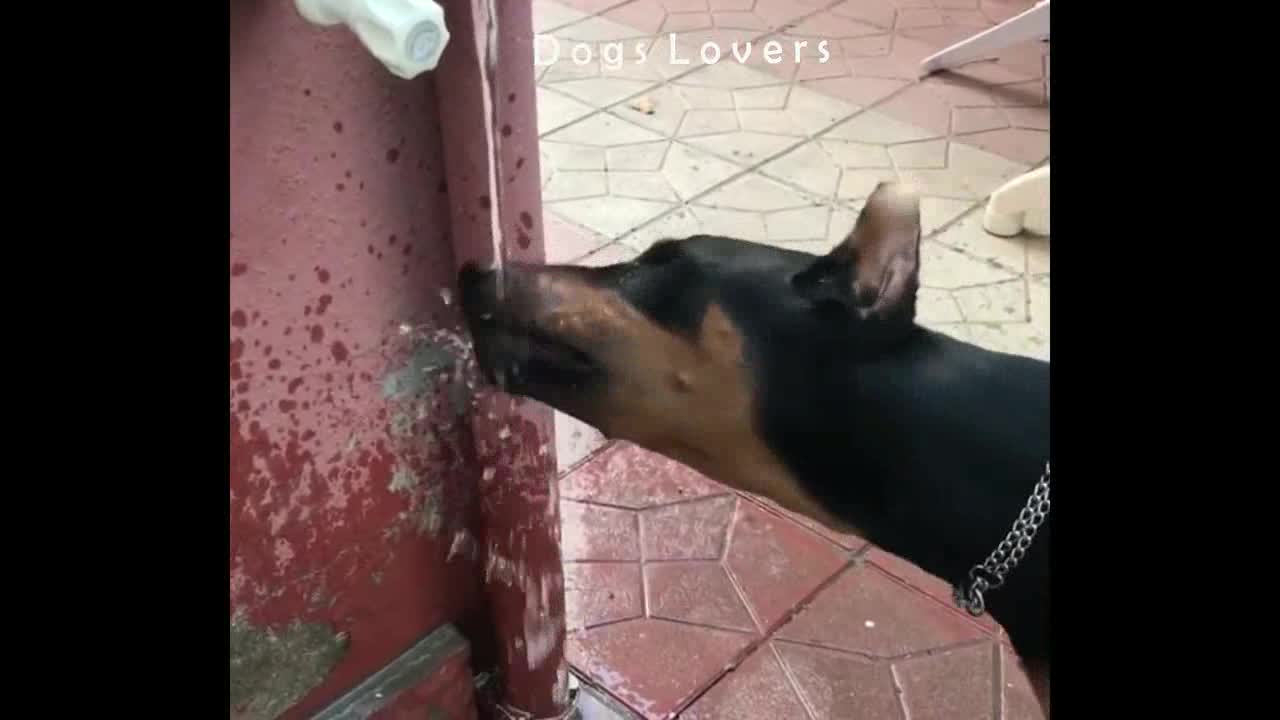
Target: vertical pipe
524, 580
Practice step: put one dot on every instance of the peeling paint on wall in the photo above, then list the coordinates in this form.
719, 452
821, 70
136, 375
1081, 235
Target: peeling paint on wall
349, 378
415, 376
271, 671
413, 446
542, 630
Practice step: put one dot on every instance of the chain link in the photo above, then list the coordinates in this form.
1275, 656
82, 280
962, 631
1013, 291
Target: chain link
992, 572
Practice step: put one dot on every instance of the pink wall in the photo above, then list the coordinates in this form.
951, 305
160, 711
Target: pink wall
353, 504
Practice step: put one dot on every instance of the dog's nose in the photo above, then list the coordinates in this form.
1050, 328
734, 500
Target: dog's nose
477, 289
471, 274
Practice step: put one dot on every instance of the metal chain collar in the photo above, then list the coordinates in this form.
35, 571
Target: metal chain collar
991, 574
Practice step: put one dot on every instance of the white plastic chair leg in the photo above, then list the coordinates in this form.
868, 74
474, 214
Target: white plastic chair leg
1022, 203
1031, 24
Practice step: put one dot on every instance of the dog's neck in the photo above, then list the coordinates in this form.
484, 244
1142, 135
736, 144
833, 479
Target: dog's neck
944, 442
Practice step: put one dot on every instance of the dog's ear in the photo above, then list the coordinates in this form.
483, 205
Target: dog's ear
878, 264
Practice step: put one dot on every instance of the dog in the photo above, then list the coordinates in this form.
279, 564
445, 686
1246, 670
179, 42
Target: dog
805, 379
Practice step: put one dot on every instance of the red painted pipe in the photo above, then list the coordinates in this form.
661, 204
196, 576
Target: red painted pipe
514, 439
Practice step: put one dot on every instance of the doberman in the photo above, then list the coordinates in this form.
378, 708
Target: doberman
805, 379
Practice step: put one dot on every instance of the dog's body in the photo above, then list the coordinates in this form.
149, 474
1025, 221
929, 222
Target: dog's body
801, 378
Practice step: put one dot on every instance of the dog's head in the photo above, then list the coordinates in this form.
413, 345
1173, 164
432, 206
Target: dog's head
697, 346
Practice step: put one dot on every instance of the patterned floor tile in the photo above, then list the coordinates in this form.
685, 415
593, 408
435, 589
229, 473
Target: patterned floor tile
588, 7
1038, 303
602, 91
1037, 255
695, 592
693, 220
852, 158
970, 237
630, 477
744, 147
695, 530
647, 16
1019, 699
777, 563
757, 688
591, 532
844, 540
611, 216
596, 593
603, 28
867, 612
757, 193
952, 684
873, 53
622, 657
1016, 338
561, 60
947, 269
602, 131
839, 686
757, 209
556, 110
574, 185
568, 156
645, 176
609, 255
1000, 303
667, 109
575, 440
732, 111
977, 114
566, 241
927, 583
548, 16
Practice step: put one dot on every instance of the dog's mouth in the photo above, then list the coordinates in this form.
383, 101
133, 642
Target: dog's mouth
518, 354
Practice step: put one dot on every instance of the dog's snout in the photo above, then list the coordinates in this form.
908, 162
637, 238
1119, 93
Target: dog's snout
472, 279
491, 297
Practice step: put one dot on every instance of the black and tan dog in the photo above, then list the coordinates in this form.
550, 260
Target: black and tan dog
801, 378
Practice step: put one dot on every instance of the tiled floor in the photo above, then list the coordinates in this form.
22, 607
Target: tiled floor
687, 599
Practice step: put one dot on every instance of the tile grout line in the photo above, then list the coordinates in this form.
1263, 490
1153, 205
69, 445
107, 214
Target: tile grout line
754, 38
791, 82
810, 137
644, 576
765, 635
584, 677
688, 204
709, 626
977, 203
778, 513
899, 692
671, 79
922, 592
889, 660
591, 455
589, 16
790, 676
659, 506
